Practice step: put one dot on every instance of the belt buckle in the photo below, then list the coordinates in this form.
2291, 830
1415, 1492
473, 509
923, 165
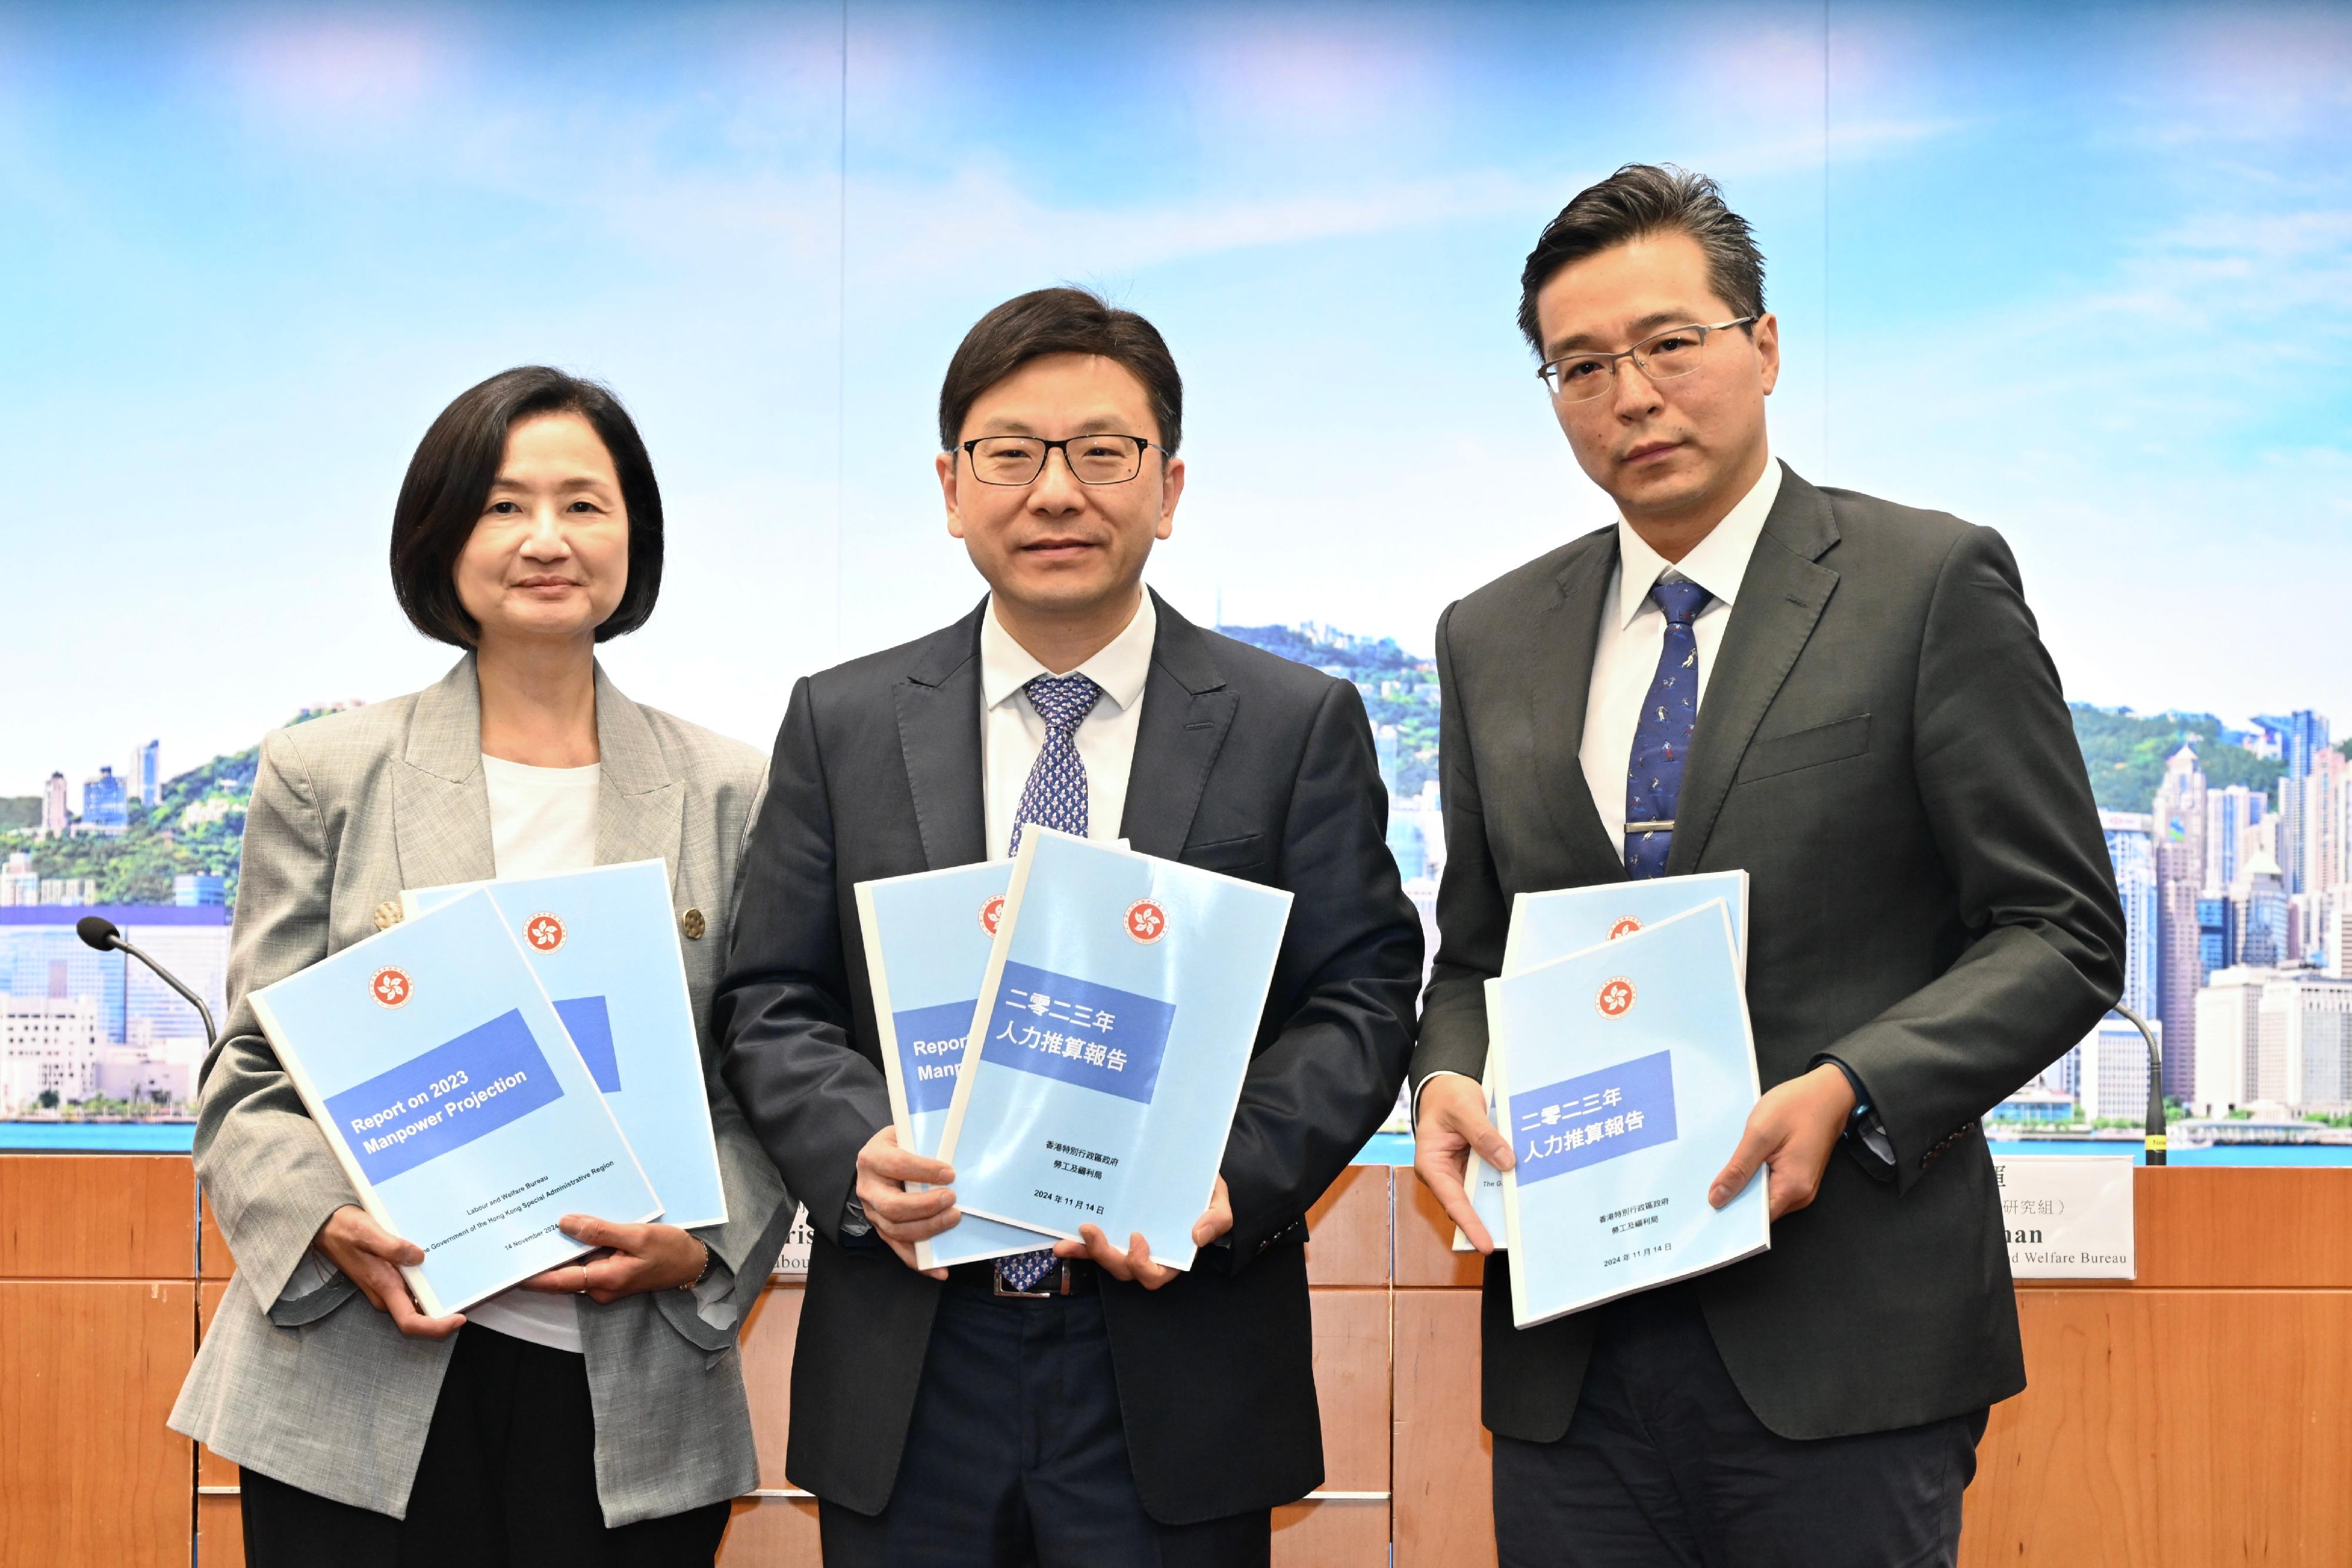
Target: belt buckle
1060, 1276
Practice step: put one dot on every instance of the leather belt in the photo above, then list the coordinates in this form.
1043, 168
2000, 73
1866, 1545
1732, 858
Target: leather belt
1071, 1277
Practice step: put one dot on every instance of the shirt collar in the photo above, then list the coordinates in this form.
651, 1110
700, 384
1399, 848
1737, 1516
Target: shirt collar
1120, 667
1717, 563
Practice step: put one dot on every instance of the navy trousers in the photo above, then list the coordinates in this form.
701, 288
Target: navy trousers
1016, 1457
1663, 1466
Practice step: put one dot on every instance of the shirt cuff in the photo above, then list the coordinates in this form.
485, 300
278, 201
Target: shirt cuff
311, 1274
1440, 1072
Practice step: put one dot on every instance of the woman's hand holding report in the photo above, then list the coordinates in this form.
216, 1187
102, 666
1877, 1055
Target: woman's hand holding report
634, 1258
371, 1259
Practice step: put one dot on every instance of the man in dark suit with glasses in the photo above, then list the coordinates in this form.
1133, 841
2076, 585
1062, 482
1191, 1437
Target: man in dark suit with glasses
1078, 1404
1876, 735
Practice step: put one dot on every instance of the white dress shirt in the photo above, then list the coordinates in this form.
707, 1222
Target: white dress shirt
1633, 634
1012, 733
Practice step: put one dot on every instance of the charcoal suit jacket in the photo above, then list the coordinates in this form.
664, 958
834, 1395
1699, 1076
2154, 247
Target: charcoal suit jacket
1883, 748
1246, 764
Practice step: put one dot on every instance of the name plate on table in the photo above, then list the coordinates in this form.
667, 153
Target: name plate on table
2068, 1217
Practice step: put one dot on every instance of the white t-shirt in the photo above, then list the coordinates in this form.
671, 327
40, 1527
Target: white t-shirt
542, 822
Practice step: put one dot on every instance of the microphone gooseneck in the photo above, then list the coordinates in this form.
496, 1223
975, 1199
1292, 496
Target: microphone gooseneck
102, 933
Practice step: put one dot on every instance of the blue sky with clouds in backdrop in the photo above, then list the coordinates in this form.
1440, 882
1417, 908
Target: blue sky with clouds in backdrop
2079, 273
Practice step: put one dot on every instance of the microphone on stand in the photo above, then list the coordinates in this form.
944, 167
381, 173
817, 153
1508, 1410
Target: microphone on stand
99, 931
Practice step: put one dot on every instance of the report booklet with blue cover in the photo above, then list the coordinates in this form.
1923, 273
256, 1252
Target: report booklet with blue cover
928, 936
1115, 1025
603, 942
1554, 924
441, 1077
1624, 1075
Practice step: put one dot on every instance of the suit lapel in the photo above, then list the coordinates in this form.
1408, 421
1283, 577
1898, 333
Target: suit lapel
1781, 597
1560, 681
640, 808
1187, 710
440, 804
939, 737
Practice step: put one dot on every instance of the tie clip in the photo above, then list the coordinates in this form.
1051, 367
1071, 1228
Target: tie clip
1666, 827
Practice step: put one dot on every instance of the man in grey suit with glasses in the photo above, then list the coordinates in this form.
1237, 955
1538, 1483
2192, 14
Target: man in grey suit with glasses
1875, 734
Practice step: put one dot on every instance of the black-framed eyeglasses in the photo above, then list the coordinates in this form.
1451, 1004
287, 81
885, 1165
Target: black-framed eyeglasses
1092, 459
1662, 355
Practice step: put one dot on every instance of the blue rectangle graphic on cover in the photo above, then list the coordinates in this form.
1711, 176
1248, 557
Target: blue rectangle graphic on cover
589, 1022
487, 1077
927, 939
442, 1080
1554, 924
1596, 1117
1094, 1036
1627, 1071
1164, 962
605, 943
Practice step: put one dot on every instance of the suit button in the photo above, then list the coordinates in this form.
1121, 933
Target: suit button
693, 925
387, 915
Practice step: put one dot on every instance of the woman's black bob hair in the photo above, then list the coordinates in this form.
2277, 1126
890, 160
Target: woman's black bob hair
450, 480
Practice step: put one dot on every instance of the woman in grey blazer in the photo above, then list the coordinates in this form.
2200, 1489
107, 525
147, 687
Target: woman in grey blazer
596, 1414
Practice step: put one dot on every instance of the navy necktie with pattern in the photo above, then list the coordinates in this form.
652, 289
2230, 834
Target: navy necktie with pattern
1654, 774
1055, 797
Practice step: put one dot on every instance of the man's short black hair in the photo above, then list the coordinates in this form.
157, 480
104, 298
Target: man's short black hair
1060, 321
1638, 200
449, 481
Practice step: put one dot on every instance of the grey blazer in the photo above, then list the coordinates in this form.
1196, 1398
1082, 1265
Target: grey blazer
320, 1391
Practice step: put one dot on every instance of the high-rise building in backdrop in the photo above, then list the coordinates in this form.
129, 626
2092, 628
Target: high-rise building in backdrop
2302, 735
145, 779
105, 805
2131, 847
56, 817
2258, 910
2231, 815
2324, 797
2177, 827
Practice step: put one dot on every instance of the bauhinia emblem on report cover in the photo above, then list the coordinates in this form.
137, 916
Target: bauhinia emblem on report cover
442, 1080
1624, 1075
605, 943
1553, 924
928, 937
1115, 1020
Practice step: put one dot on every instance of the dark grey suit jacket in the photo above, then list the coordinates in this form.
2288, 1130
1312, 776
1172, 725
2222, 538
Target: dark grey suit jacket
1244, 764
1883, 748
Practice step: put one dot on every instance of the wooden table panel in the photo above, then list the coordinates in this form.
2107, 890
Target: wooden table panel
2240, 1228
1348, 1230
88, 1372
1424, 1241
770, 1532
98, 1216
220, 1532
767, 1341
2172, 1429
1351, 1386
1444, 1459
1344, 1533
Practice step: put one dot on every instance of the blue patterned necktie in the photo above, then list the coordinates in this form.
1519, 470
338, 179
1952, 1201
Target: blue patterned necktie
1654, 775
1055, 797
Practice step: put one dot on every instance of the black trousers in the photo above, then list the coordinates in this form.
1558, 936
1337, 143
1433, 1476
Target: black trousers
507, 1479
1016, 1457
1663, 1466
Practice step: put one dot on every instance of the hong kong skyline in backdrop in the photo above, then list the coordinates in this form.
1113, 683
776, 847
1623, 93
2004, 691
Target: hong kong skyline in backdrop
2075, 279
